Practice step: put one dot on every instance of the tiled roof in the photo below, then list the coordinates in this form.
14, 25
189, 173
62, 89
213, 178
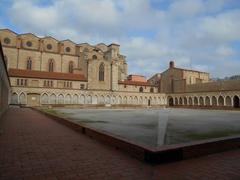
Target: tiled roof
183, 69
136, 83
46, 75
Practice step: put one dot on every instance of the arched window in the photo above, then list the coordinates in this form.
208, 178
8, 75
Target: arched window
151, 90
141, 89
101, 72
29, 64
51, 65
94, 57
70, 67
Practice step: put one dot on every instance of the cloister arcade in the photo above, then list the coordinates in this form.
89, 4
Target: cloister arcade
53, 98
228, 100
216, 100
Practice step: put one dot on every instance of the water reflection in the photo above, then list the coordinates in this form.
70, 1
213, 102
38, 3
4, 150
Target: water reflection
157, 127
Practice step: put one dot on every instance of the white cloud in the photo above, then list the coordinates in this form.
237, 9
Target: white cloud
223, 27
224, 51
195, 33
186, 8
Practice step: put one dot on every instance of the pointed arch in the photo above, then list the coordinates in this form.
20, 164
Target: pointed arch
53, 99
101, 72
141, 100
82, 99
207, 101
154, 101
107, 99
22, 98
176, 101
195, 101
180, 101
14, 98
68, 99
220, 101
214, 101
185, 101
170, 101
130, 100
113, 100
101, 99
236, 101
190, 101
135, 100
60, 99
120, 100
228, 101
75, 99
125, 100
44, 99
95, 99
145, 100
89, 99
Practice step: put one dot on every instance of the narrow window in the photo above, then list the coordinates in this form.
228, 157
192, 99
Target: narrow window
141, 89
101, 72
50, 65
70, 67
29, 64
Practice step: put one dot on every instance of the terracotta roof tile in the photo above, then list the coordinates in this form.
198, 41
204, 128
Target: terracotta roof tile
46, 75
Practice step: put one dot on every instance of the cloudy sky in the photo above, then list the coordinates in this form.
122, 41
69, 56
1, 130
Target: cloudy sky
197, 34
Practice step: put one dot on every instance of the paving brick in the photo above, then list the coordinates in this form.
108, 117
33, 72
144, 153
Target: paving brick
36, 147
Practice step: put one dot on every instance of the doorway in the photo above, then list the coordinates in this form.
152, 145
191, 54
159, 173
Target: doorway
236, 102
170, 101
149, 102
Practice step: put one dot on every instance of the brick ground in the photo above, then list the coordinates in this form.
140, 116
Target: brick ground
33, 146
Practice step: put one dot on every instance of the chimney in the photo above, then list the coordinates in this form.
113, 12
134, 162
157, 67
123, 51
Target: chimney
171, 64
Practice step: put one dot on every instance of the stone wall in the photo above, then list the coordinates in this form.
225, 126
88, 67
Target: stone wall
19, 49
228, 85
4, 84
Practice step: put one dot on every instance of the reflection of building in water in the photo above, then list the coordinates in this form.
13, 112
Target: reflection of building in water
47, 71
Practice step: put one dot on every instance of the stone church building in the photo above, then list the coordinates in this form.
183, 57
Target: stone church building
46, 71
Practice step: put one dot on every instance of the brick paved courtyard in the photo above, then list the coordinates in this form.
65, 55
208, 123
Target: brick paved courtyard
33, 146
